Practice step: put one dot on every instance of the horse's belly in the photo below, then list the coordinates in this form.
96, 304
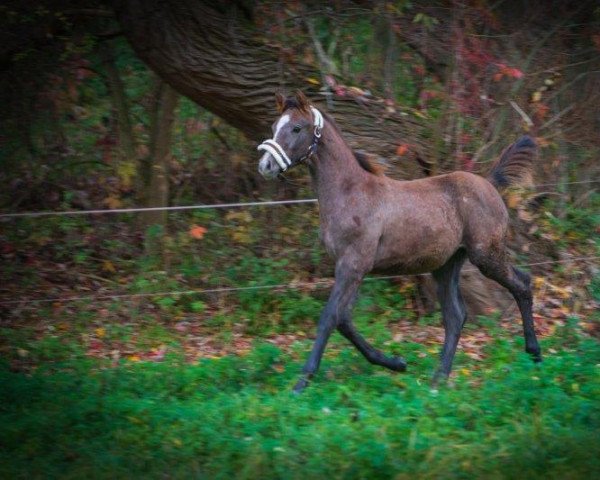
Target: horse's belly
411, 254
410, 266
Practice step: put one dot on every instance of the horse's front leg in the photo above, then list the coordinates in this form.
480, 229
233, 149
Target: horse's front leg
374, 356
347, 281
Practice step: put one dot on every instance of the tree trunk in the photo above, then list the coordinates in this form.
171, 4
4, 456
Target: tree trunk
156, 171
210, 53
127, 167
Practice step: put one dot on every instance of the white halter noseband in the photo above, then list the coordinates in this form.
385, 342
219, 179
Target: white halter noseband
271, 146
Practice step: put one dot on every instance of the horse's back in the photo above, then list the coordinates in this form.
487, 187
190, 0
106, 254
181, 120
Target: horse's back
471, 195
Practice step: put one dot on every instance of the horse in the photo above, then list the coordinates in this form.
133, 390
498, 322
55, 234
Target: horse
372, 223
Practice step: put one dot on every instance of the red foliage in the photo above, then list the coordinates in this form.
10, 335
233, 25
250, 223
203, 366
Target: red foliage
197, 232
402, 150
540, 110
510, 72
419, 70
476, 62
466, 162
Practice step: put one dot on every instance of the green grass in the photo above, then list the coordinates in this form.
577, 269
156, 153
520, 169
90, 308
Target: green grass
236, 417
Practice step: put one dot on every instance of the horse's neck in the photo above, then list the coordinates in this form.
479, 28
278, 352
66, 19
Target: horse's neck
334, 169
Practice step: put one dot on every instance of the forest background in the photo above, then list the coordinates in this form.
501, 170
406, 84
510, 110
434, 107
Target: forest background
137, 320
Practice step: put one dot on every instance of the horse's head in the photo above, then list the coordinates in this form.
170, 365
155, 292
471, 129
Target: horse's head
295, 135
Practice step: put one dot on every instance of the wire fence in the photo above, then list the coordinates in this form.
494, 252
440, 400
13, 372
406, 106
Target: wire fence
205, 291
282, 286
264, 203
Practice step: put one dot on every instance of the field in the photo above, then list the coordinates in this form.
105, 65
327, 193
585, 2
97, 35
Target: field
74, 416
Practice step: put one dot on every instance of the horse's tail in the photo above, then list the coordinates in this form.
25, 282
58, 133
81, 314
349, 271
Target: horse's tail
514, 168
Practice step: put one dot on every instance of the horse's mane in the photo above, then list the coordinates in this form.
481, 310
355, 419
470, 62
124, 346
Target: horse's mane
291, 102
363, 159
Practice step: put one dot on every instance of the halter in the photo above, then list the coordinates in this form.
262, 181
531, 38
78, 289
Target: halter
278, 153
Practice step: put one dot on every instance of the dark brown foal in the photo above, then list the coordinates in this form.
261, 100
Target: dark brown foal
372, 223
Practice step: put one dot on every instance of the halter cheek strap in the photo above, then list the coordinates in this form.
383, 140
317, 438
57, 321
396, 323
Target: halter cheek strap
271, 146
317, 120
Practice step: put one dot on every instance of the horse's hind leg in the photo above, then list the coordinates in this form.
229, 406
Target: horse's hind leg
518, 283
454, 313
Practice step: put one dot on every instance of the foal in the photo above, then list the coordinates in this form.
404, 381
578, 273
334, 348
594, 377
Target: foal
372, 223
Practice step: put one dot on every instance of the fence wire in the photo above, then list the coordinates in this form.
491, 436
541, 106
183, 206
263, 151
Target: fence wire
282, 286
158, 209
293, 285
205, 207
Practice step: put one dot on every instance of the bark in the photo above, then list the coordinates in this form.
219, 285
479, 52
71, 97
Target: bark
157, 168
389, 51
116, 88
212, 54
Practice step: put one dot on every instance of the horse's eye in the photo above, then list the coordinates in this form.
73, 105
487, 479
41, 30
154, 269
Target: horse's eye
297, 128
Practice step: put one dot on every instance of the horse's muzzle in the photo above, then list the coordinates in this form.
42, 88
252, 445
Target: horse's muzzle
268, 167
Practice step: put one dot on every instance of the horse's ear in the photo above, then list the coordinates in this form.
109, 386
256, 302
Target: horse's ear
280, 101
303, 102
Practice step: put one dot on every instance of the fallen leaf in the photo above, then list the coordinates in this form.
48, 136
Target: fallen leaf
112, 202
182, 326
197, 232
513, 200
108, 266
563, 292
525, 215
157, 354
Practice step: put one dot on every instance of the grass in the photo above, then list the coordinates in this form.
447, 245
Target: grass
236, 417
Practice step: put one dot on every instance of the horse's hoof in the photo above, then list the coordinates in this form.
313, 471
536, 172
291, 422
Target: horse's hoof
439, 379
398, 364
536, 354
300, 385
